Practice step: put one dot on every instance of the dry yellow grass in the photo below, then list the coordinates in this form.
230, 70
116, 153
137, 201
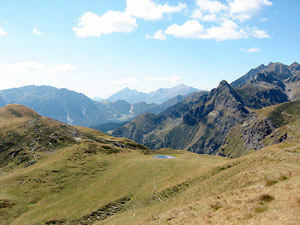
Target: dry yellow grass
261, 188
71, 182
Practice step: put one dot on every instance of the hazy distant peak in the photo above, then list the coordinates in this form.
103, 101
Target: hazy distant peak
159, 96
182, 86
295, 65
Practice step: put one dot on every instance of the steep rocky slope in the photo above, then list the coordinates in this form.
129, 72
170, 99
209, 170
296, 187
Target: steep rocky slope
264, 127
200, 123
93, 178
283, 72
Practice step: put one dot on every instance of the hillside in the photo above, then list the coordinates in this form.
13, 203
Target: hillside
60, 104
26, 137
126, 112
264, 127
201, 122
100, 179
75, 108
261, 188
84, 163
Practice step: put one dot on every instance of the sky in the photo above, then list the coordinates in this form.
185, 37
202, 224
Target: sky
98, 47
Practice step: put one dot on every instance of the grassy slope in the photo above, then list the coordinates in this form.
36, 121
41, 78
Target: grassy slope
74, 181
285, 116
260, 188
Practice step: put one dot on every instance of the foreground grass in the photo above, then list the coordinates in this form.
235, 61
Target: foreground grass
98, 179
68, 186
72, 182
261, 188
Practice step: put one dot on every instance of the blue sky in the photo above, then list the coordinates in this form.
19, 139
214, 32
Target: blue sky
98, 47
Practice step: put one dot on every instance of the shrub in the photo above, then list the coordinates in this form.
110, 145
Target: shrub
266, 198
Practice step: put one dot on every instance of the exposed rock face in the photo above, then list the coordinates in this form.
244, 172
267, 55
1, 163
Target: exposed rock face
200, 124
282, 72
253, 132
263, 90
262, 128
293, 87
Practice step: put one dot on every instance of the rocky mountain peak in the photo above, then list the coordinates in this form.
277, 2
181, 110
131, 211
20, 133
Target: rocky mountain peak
223, 87
267, 79
295, 66
223, 82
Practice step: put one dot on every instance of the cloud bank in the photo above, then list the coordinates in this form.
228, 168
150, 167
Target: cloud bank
208, 19
93, 25
37, 67
2, 32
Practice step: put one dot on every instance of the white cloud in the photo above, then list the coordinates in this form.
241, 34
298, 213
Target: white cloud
2, 32
164, 79
210, 6
259, 33
149, 10
36, 67
226, 20
197, 14
234, 9
157, 35
22, 67
245, 9
264, 19
64, 68
125, 81
228, 30
190, 29
36, 31
92, 25
252, 50
210, 17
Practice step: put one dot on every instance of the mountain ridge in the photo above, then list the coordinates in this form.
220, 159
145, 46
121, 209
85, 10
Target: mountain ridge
158, 97
201, 124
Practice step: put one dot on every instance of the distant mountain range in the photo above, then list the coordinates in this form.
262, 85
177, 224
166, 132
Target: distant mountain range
201, 123
160, 96
77, 109
287, 74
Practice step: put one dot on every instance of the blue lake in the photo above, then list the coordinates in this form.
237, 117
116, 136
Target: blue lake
164, 156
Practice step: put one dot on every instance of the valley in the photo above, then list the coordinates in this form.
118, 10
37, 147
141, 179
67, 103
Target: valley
55, 173
149, 112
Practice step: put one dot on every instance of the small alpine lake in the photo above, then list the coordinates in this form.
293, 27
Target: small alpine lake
164, 156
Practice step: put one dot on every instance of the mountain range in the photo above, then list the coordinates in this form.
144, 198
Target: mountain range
158, 97
54, 173
201, 123
287, 74
77, 109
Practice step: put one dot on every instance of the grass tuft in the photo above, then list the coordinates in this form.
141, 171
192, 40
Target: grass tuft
261, 209
266, 198
216, 206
